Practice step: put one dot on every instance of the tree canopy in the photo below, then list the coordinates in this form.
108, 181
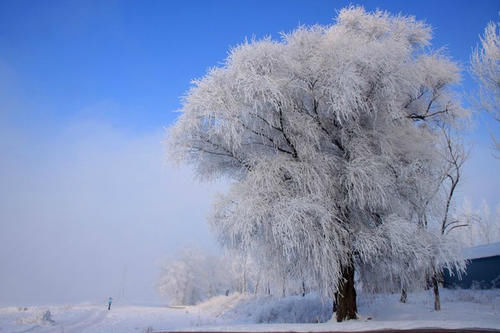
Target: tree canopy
331, 136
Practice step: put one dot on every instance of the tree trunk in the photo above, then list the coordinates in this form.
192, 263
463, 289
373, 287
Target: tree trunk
256, 290
345, 298
435, 286
243, 287
244, 281
404, 295
428, 281
284, 287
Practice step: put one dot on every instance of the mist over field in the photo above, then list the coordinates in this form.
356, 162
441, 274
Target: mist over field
92, 212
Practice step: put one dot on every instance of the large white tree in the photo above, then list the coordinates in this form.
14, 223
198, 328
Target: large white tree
330, 135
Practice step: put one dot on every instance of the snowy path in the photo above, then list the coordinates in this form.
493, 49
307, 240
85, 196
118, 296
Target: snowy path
89, 319
94, 319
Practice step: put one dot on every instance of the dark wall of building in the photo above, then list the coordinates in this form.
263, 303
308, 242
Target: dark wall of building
481, 273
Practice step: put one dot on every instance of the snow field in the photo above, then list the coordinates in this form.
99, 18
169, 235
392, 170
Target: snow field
267, 309
460, 309
243, 312
94, 319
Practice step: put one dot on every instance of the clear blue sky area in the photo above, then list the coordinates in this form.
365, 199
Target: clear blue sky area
134, 59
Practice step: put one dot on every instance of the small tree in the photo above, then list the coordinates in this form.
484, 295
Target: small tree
193, 276
319, 132
485, 66
482, 225
454, 157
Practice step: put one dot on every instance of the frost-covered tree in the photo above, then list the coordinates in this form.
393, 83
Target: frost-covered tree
482, 226
485, 66
330, 136
178, 283
193, 276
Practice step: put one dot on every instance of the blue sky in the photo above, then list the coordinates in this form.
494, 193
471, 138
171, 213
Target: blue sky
139, 57
86, 90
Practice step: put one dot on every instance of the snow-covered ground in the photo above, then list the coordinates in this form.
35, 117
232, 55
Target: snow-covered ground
93, 319
460, 309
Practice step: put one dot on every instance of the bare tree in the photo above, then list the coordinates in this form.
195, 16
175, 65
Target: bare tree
454, 157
